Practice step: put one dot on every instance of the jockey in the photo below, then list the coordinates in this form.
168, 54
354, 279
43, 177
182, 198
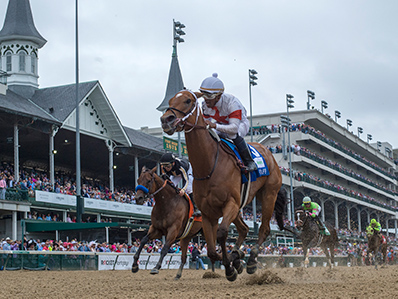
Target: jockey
179, 169
374, 226
314, 211
226, 114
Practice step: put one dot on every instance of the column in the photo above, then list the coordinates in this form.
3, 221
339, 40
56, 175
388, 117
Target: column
359, 219
111, 147
136, 172
54, 131
368, 216
98, 218
348, 218
16, 154
387, 227
396, 228
336, 214
289, 210
323, 210
129, 234
14, 225
65, 215
107, 234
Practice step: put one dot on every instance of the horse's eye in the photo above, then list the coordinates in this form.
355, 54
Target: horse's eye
148, 182
188, 101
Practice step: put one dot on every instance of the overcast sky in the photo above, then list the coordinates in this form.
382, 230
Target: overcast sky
344, 51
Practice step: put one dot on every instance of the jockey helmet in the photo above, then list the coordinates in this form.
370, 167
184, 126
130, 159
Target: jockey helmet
212, 86
373, 221
306, 199
167, 158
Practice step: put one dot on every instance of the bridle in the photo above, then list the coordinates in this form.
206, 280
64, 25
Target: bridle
146, 190
183, 123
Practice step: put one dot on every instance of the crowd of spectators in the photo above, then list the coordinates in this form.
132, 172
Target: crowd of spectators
31, 179
312, 179
306, 129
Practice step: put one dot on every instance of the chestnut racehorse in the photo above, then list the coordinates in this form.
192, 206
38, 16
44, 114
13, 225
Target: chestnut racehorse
169, 218
376, 246
217, 181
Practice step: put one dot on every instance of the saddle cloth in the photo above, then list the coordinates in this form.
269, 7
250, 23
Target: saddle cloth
262, 167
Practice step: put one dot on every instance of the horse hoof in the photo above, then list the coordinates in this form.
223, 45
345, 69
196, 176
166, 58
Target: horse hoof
154, 271
240, 254
177, 277
251, 269
134, 269
233, 276
240, 267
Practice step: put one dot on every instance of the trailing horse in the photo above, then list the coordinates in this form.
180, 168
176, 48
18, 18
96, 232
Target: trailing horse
217, 181
376, 245
311, 236
170, 217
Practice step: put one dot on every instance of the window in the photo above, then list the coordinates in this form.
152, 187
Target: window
33, 63
22, 65
8, 62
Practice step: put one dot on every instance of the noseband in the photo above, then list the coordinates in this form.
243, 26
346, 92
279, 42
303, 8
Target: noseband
182, 121
146, 190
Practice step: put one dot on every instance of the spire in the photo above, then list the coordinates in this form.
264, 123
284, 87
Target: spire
19, 25
174, 83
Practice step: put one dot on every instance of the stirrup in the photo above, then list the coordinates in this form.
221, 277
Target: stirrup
197, 213
251, 166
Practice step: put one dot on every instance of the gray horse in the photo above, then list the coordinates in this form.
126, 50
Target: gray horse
311, 236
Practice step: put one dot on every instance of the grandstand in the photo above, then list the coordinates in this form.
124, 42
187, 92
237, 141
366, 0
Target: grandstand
353, 180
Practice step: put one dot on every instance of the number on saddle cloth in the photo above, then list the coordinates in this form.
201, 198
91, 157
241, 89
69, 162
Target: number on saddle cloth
262, 167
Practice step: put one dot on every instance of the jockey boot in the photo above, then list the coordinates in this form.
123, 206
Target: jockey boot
244, 152
196, 211
322, 227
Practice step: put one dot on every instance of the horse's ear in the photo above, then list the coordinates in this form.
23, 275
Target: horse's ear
143, 169
153, 170
198, 94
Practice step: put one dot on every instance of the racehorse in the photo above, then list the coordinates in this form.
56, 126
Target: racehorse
217, 181
169, 218
311, 236
375, 246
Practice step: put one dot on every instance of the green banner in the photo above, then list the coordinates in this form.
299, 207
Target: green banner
172, 146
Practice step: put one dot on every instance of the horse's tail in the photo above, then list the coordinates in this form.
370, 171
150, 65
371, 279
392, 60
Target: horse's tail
279, 208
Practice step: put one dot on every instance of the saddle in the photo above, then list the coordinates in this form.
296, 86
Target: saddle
191, 219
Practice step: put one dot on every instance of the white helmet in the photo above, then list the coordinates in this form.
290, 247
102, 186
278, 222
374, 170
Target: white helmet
212, 85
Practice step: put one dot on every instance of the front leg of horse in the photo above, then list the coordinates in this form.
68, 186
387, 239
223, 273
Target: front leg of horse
222, 234
163, 253
306, 260
237, 255
135, 267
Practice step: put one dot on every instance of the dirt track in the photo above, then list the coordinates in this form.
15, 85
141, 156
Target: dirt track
341, 282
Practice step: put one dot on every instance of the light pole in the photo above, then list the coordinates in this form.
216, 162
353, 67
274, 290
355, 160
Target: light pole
311, 96
349, 124
360, 131
337, 115
285, 124
177, 32
324, 104
369, 137
252, 82
289, 104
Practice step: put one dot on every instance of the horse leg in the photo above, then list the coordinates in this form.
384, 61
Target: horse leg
230, 212
184, 246
268, 204
171, 236
306, 260
237, 255
134, 267
210, 232
326, 251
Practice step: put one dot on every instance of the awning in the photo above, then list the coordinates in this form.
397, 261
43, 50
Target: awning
45, 226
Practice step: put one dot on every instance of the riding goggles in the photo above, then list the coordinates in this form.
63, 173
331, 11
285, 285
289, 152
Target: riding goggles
209, 96
166, 164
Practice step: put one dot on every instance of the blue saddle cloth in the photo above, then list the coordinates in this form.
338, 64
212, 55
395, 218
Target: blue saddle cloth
262, 168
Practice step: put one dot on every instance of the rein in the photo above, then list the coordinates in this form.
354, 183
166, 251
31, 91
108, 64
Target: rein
146, 191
